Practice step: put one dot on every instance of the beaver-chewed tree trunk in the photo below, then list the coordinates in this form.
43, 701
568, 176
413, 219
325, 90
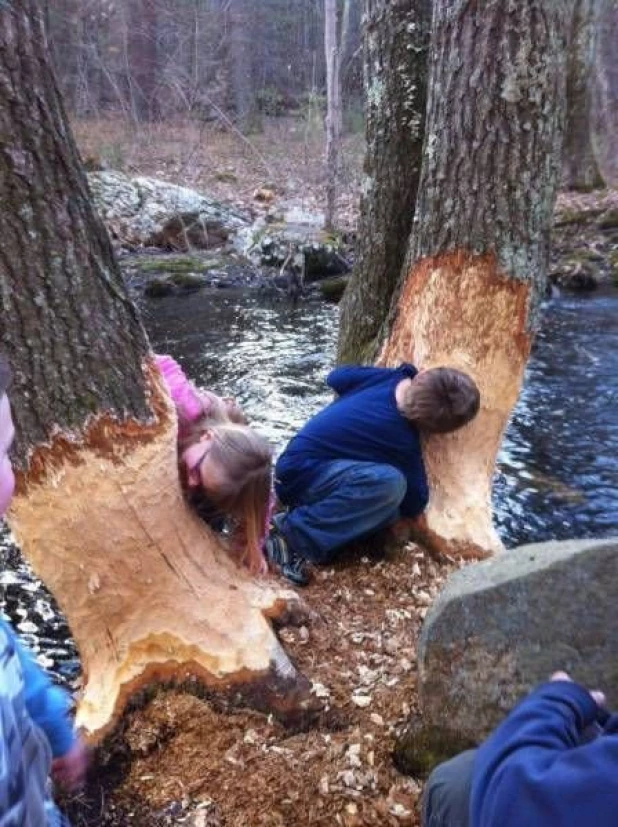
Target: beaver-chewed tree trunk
147, 589
395, 50
478, 250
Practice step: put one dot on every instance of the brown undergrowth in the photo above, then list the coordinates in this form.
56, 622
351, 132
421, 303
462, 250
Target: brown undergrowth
181, 760
286, 157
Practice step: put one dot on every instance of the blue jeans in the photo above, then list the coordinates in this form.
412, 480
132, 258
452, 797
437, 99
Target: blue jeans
346, 500
446, 797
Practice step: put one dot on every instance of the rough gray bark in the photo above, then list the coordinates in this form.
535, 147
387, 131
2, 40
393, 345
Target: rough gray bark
494, 134
580, 170
478, 251
396, 43
68, 327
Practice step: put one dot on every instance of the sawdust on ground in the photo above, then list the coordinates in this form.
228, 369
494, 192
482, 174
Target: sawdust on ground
180, 760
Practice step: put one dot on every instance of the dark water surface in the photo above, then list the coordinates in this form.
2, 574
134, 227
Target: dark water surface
558, 469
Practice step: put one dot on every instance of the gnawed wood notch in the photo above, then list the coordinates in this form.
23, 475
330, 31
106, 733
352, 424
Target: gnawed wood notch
147, 589
460, 310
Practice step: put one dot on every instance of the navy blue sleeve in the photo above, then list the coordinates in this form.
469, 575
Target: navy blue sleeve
47, 704
348, 377
533, 770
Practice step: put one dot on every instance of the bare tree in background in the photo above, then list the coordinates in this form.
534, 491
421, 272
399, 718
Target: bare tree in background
580, 170
240, 64
605, 92
143, 63
333, 111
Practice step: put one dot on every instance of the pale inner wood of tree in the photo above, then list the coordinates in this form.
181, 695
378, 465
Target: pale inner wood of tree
458, 310
147, 588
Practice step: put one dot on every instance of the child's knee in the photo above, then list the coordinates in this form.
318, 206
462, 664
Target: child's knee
391, 485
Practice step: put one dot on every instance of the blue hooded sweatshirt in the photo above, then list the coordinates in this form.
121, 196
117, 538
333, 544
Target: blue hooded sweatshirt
534, 770
362, 424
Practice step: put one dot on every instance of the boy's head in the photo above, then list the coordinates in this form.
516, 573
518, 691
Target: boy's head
440, 400
7, 432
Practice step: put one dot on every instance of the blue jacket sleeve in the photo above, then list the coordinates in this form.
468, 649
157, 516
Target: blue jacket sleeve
47, 704
533, 770
348, 377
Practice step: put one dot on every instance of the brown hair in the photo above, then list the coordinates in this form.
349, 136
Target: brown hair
441, 400
246, 459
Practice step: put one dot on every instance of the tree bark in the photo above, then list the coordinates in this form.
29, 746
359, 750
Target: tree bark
147, 589
396, 44
333, 111
478, 251
580, 170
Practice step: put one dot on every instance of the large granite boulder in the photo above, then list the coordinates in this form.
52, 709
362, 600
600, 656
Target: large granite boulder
146, 212
503, 625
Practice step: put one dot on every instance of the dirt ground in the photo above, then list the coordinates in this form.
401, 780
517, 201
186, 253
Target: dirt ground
180, 761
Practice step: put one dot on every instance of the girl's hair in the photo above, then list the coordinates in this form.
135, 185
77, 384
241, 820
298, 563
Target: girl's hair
245, 492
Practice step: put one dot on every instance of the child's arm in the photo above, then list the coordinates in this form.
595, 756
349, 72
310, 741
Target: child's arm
190, 403
348, 377
48, 705
533, 769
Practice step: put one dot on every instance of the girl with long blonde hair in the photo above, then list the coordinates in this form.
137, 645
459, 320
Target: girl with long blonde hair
225, 466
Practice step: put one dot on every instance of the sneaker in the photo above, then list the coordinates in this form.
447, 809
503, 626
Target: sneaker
281, 557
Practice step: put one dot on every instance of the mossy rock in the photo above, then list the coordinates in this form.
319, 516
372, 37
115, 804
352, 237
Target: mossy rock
169, 264
420, 748
609, 219
333, 288
188, 281
566, 217
158, 288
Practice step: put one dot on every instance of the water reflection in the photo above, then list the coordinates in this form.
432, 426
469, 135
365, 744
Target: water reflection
558, 470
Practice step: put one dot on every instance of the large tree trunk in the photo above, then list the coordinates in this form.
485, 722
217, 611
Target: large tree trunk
478, 251
579, 165
396, 42
147, 589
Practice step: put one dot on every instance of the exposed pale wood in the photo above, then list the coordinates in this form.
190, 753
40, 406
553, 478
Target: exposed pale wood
477, 258
148, 591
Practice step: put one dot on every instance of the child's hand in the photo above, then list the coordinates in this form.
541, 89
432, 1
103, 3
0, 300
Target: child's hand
598, 696
70, 769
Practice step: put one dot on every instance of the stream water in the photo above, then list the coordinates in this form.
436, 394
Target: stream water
557, 474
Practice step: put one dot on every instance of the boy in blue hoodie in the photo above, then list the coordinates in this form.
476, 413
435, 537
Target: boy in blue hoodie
36, 735
357, 466
553, 762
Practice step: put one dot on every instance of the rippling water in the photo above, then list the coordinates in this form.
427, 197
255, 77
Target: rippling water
558, 469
